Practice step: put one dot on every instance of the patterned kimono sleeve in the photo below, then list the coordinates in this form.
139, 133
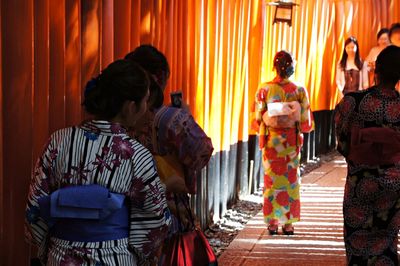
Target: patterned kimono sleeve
149, 214
343, 119
260, 107
306, 116
189, 142
36, 229
194, 146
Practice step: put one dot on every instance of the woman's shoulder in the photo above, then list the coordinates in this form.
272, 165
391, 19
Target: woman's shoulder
265, 85
139, 148
63, 134
373, 53
359, 95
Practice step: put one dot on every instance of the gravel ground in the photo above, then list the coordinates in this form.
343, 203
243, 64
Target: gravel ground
222, 233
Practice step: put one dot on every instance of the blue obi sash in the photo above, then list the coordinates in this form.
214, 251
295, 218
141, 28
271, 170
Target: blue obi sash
85, 213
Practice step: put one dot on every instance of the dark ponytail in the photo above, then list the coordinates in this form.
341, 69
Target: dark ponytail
120, 81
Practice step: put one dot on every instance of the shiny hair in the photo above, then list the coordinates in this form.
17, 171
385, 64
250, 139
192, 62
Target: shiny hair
388, 65
357, 59
156, 64
120, 81
283, 64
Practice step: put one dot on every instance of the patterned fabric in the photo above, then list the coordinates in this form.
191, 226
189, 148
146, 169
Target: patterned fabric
114, 252
371, 206
173, 131
281, 151
99, 152
352, 79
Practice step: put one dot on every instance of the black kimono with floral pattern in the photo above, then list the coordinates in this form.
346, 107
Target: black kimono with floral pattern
371, 206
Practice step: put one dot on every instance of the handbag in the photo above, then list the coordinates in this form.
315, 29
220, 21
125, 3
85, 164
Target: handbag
168, 166
187, 248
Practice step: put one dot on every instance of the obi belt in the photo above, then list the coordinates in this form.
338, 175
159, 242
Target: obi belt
85, 213
374, 146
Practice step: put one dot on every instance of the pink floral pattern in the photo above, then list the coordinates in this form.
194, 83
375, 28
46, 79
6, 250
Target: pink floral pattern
103, 154
70, 260
122, 148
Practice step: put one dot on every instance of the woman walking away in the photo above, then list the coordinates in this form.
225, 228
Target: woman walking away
282, 115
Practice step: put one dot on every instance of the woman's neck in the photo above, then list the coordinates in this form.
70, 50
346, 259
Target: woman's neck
387, 85
351, 58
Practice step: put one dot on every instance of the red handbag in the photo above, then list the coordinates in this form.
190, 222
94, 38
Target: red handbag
188, 248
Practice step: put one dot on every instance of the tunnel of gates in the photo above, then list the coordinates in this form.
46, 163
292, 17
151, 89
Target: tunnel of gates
238, 172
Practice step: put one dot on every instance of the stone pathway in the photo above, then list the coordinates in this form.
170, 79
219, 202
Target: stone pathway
318, 238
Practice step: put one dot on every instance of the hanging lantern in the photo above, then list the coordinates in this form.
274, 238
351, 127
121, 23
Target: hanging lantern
283, 11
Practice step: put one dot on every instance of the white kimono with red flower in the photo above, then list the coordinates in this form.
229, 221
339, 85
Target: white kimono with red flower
280, 141
99, 152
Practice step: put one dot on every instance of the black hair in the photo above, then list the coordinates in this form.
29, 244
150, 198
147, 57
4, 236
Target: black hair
283, 64
393, 28
388, 65
357, 59
381, 32
156, 64
120, 81
156, 98
151, 59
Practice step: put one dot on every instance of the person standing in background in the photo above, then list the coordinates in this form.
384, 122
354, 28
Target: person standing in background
282, 114
383, 42
351, 72
394, 35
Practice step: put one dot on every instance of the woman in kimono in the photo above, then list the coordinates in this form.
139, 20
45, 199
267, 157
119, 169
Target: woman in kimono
351, 72
383, 41
368, 130
282, 115
95, 196
179, 144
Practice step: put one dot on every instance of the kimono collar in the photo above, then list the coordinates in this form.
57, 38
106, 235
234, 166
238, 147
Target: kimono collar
387, 92
103, 127
280, 80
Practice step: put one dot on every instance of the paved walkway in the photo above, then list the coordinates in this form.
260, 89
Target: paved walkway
318, 238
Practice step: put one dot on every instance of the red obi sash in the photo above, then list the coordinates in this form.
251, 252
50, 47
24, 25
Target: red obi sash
374, 146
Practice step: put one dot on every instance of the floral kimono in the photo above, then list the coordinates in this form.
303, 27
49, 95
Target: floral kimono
368, 133
281, 150
96, 157
173, 132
